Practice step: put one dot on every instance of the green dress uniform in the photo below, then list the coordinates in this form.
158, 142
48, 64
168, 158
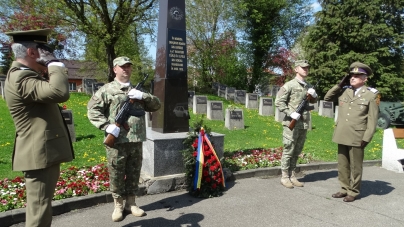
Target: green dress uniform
357, 120
42, 140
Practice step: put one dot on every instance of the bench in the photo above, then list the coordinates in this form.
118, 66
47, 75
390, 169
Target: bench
392, 157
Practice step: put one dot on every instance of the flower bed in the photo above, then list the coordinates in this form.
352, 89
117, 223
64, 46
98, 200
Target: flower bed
72, 182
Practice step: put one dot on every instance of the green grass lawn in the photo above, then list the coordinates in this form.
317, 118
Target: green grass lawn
259, 132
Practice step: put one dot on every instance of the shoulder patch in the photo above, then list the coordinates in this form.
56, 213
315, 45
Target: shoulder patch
374, 90
92, 101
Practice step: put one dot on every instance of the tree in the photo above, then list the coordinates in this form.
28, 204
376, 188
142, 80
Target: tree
270, 25
212, 47
371, 32
104, 21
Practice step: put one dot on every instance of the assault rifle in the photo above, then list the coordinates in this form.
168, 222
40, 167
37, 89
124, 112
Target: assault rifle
301, 108
125, 112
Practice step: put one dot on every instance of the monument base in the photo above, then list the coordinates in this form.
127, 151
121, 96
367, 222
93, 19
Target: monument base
162, 156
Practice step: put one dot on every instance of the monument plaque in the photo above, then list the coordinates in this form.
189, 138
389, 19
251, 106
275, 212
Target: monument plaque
251, 101
234, 119
170, 82
239, 96
200, 104
326, 109
230, 93
266, 107
68, 117
215, 110
222, 91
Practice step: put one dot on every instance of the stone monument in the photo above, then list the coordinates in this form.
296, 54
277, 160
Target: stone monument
215, 110
170, 124
234, 119
326, 109
170, 81
200, 104
266, 107
239, 97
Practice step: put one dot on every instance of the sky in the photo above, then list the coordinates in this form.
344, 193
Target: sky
152, 45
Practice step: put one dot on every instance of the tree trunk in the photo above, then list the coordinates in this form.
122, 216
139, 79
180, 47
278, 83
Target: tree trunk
110, 50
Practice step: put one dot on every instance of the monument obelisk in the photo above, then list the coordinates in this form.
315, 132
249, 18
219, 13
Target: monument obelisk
170, 81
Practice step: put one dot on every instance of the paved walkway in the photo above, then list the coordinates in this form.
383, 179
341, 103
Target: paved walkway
263, 202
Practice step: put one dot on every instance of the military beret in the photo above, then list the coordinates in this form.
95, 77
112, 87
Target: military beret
37, 36
121, 61
359, 68
302, 63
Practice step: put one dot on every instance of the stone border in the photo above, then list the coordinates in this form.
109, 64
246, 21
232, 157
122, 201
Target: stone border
16, 216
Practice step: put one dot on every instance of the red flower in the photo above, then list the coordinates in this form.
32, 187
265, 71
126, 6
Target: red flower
212, 168
214, 185
207, 179
205, 173
195, 154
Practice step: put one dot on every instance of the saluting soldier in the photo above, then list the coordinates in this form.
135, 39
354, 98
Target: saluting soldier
42, 139
354, 129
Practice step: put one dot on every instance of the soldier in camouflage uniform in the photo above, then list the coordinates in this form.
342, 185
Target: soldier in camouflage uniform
288, 99
125, 158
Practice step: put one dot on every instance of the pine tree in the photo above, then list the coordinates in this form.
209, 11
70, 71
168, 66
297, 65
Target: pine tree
370, 31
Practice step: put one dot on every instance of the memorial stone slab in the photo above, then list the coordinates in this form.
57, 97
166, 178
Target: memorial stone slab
68, 117
161, 152
310, 122
171, 70
215, 110
326, 109
215, 88
234, 119
191, 98
222, 91
266, 107
200, 104
251, 101
2, 82
336, 114
315, 106
239, 96
230, 93
279, 115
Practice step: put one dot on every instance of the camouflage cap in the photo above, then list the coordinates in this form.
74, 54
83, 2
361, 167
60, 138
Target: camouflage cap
360, 68
37, 36
121, 61
302, 63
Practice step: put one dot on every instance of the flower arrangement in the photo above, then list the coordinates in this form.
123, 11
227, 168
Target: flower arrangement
72, 182
211, 174
259, 158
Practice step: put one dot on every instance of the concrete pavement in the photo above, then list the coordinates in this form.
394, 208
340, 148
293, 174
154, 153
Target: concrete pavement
263, 201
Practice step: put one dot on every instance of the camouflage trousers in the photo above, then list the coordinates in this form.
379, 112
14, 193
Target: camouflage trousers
124, 164
293, 143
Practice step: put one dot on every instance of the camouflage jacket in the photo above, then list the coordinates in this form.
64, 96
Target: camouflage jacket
288, 99
105, 105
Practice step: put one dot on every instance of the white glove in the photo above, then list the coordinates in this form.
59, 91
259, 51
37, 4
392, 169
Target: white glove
295, 115
312, 92
135, 94
113, 129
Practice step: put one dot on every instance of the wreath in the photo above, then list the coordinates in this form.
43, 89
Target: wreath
203, 169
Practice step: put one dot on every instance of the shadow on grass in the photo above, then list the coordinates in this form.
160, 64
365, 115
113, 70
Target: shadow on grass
85, 137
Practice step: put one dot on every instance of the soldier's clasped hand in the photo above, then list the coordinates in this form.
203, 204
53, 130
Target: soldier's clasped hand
312, 92
295, 115
135, 94
113, 129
